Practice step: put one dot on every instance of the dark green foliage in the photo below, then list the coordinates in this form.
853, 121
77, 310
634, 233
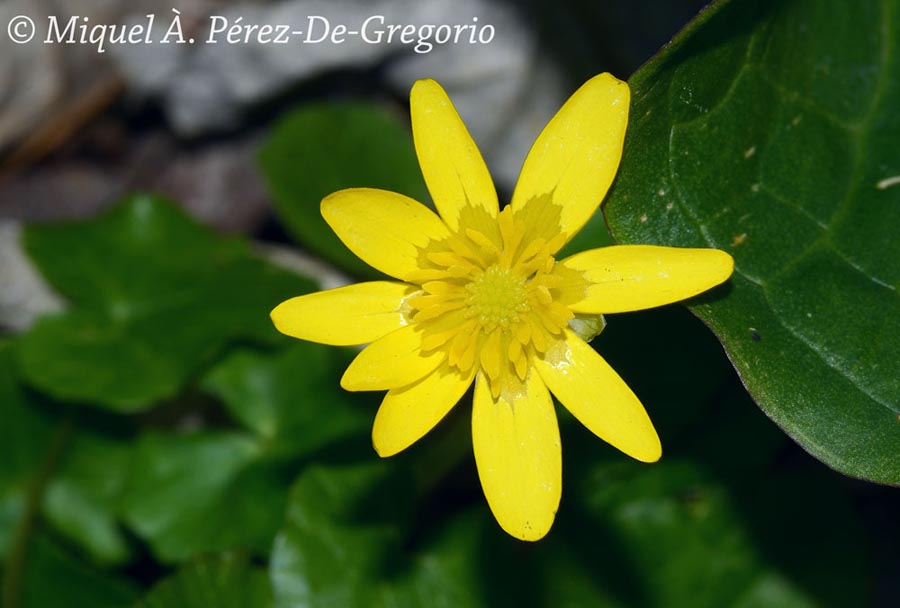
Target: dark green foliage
766, 129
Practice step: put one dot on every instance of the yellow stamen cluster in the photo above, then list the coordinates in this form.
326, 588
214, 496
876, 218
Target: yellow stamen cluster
488, 298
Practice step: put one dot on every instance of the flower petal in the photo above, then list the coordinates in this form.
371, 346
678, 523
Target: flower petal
454, 171
392, 361
576, 156
517, 451
384, 229
407, 414
623, 278
595, 394
355, 314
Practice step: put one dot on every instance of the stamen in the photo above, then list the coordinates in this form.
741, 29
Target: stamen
491, 301
423, 302
426, 275
549, 323
538, 339
468, 357
523, 332
447, 258
514, 350
491, 356
480, 239
461, 272
440, 288
521, 364
459, 247
542, 294
534, 248
438, 310
556, 243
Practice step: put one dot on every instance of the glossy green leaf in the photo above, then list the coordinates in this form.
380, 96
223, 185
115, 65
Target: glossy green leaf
215, 490
320, 149
292, 399
229, 582
770, 129
154, 296
203, 492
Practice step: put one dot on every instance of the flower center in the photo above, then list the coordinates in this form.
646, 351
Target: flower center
496, 298
493, 296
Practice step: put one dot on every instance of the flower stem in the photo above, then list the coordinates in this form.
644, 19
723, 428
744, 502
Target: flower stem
15, 566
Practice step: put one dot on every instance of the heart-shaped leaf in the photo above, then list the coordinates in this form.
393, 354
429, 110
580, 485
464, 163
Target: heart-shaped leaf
203, 492
769, 129
291, 399
154, 296
215, 490
320, 149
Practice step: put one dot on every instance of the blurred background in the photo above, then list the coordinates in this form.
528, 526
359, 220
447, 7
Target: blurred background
186, 120
158, 450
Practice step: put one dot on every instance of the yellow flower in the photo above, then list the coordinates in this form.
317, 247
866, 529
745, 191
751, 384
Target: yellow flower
482, 298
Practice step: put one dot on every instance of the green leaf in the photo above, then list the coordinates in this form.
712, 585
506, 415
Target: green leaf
210, 491
666, 535
730, 492
320, 149
203, 492
54, 578
739, 530
154, 296
343, 545
228, 582
785, 508
82, 500
25, 437
718, 451
44, 575
291, 399
768, 129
